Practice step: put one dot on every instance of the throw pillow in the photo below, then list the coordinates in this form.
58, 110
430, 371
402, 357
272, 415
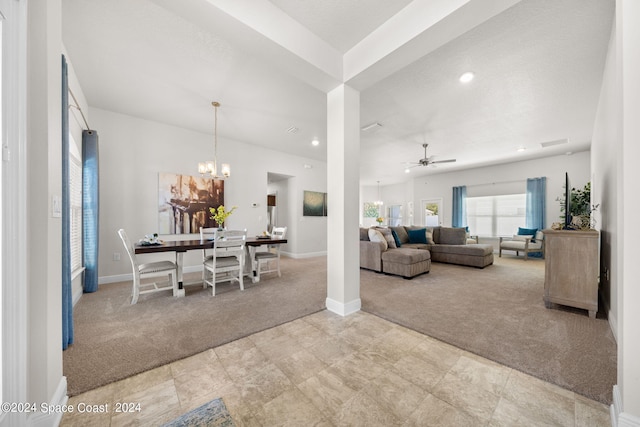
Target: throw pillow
396, 238
429, 236
376, 236
528, 232
386, 233
418, 236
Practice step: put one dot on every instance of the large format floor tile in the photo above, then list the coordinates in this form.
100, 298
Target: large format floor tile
325, 370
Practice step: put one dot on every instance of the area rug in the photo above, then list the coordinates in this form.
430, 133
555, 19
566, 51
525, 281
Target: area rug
211, 414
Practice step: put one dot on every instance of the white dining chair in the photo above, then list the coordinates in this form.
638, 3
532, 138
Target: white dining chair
226, 262
269, 261
150, 269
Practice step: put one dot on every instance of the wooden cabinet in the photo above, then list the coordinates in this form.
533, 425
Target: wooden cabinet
572, 269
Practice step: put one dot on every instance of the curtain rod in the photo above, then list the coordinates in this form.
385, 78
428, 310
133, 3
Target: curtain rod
501, 182
77, 107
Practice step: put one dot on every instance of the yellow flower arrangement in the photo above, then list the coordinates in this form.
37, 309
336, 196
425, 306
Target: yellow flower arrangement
380, 220
220, 214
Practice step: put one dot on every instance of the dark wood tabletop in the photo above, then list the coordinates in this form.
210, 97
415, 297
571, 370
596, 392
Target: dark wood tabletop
188, 245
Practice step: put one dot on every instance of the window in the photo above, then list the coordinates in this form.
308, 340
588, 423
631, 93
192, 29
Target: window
493, 216
75, 201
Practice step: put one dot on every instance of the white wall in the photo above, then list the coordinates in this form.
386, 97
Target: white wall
132, 153
46, 383
606, 168
627, 394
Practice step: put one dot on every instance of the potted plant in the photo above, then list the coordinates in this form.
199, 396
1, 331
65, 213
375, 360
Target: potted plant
581, 208
220, 214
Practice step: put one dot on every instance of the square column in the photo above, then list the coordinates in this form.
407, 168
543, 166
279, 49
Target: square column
343, 184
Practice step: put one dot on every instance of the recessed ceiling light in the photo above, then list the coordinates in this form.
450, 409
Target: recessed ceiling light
315, 142
521, 149
407, 170
466, 77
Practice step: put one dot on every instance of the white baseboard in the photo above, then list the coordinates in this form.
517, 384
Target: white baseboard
58, 400
343, 309
305, 255
618, 417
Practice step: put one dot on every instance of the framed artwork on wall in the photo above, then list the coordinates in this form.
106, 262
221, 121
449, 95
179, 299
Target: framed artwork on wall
184, 202
314, 203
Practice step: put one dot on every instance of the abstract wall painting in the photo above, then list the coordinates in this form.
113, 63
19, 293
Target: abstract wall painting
314, 203
184, 202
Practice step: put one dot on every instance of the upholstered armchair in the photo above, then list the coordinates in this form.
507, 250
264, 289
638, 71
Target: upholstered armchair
523, 243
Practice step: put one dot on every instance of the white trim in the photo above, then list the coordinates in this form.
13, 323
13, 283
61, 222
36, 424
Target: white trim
618, 417
343, 309
304, 255
59, 399
14, 205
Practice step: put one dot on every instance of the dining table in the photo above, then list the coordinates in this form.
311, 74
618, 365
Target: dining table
180, 247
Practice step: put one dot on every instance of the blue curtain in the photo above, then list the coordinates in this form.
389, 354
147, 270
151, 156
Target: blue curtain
459, 210
536, 203
536, 206
90, 209
67, 297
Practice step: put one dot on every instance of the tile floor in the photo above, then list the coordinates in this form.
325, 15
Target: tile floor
325, 370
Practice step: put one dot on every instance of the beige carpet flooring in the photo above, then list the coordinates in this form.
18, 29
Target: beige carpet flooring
497, 313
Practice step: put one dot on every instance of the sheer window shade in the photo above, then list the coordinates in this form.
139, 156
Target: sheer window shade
492, 216
75, 198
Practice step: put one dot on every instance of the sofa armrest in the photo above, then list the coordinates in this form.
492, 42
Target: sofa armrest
371, 255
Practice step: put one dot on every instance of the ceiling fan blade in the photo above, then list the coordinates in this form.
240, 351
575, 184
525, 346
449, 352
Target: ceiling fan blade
443, 161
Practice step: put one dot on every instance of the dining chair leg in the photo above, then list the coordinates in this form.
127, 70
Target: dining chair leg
241, 273
135, 291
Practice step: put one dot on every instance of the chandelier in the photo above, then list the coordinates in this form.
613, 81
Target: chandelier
211, 166
379, 201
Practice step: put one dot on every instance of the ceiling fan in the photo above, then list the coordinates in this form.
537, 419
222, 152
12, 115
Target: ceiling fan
427, 161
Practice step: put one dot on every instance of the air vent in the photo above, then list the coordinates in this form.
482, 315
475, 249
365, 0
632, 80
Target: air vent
552, 143
370, 126
293, 129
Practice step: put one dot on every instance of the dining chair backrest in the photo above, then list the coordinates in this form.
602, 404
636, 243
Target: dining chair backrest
279, 232
129, 247
208, 233
230, 238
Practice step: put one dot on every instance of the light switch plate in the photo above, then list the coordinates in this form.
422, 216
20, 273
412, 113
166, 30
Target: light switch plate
56, 206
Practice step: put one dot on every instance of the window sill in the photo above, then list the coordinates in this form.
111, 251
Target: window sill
77, 272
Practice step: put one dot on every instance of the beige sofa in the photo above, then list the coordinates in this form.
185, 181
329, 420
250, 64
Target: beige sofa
446, 244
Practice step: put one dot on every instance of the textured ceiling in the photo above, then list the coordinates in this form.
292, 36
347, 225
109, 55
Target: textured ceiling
538, 68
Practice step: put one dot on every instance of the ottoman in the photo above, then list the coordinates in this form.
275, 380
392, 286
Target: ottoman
406, 262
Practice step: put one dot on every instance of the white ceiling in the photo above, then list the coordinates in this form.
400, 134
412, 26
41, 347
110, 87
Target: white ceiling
538, 67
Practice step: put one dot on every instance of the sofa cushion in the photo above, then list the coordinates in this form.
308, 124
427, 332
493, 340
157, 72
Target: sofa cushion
429, 236
376, 236
401, 231
364, 234
396, 238
452, 236
418, 235
386, 233
406, 256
